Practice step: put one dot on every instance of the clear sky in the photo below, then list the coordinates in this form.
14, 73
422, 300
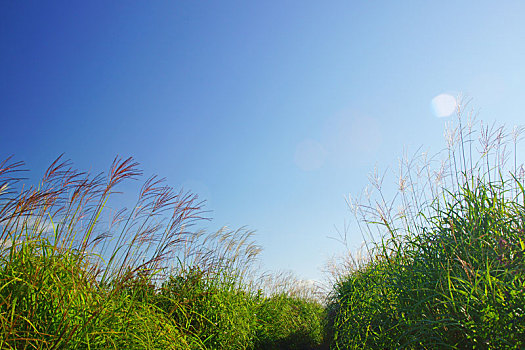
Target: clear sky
272, 111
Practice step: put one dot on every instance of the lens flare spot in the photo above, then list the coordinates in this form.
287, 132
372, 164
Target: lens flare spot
352, 135
309, 155
443, 105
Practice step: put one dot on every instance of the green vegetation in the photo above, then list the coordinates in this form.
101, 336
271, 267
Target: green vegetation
446, 271
442, 267
76, 274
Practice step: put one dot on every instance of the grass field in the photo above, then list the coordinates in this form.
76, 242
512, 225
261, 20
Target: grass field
443, 265
77, 274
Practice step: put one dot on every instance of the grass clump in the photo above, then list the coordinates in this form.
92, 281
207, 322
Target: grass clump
77, 274
445, 271
64, 282
209, 292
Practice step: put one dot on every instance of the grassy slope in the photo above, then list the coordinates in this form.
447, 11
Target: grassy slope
147, 282
447, 270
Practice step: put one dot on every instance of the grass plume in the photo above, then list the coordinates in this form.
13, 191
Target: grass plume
77, 274
442, 266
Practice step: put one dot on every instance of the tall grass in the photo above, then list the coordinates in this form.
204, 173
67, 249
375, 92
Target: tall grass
77, 274
443, 265
64, 279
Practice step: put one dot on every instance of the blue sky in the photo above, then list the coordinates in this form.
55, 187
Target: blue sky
272, 111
